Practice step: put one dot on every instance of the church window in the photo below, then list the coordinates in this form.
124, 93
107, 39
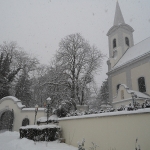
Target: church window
141, 83
25, 122
122, 94
127, 41
114, 43
118, 87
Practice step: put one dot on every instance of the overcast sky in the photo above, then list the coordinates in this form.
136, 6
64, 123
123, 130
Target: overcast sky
38, 25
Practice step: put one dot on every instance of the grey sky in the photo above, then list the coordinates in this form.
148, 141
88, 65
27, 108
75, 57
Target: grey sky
39, 25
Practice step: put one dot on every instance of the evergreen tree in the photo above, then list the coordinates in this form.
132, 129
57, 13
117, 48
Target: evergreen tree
103, 95
23, 91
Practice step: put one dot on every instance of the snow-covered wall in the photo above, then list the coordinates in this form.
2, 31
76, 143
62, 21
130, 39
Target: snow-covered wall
114, 130
20, 112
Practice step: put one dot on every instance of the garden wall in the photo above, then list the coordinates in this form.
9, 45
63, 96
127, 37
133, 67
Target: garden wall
114, 130
20, 113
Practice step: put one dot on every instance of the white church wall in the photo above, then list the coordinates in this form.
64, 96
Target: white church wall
116, 56
133, 71
119, 103
122, 98
116, 130
126, 46
118, 79
143, 70
115, 36
122, 95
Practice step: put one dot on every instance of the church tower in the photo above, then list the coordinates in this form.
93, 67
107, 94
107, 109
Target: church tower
120, 38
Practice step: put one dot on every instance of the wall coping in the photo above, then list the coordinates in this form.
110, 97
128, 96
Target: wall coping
14, 99
128, 99
32, 109
107, 114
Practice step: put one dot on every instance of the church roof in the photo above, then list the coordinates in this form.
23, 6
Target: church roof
118, 16
137, 93
137, 51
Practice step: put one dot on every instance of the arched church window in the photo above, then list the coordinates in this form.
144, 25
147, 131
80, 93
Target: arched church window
118, 87
127, 41
141, 83
114, 43
25, 122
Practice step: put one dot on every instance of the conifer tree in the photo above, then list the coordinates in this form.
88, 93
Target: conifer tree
103, 95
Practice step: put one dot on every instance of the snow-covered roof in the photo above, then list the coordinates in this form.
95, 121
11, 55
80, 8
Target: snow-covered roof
19, 104
33, 109
40, 127
133, 53
44, 119
53, 117
11, 97
137, 93
16, 101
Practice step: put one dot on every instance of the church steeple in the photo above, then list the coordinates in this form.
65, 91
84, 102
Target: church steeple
118, 15
120, 38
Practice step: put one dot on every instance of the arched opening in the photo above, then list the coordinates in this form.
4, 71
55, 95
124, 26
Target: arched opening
25, 122
114, 43
6, 120
127, 41
141, 83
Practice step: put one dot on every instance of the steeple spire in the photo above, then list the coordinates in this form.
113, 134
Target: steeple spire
118, 15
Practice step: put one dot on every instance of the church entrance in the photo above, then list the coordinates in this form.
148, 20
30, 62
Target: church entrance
6, 120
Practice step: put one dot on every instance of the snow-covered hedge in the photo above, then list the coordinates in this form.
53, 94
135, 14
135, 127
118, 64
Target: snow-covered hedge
129, 107
40, 133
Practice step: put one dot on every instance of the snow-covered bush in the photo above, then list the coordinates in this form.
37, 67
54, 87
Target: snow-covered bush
94, 146
146, 104
40, 133
63, 109
81, 145
129, 107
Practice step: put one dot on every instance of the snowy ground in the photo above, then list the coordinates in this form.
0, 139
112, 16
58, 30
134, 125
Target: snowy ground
11, 141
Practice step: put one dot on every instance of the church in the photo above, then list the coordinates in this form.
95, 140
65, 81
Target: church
128, 64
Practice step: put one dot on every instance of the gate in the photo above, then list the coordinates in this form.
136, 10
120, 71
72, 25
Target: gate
6, 119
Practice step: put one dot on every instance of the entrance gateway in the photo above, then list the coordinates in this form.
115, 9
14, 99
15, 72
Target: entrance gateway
6, 119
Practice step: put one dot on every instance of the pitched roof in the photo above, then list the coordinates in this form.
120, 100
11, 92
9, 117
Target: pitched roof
137, 93
133, 53
118, 15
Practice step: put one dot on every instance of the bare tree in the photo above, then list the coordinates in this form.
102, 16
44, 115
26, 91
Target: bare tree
39, 76
79, 61
7, 72
13, 60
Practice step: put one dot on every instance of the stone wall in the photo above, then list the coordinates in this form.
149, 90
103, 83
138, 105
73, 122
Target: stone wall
20, 112
114, 130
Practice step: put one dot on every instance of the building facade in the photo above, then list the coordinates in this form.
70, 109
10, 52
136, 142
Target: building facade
128, 64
